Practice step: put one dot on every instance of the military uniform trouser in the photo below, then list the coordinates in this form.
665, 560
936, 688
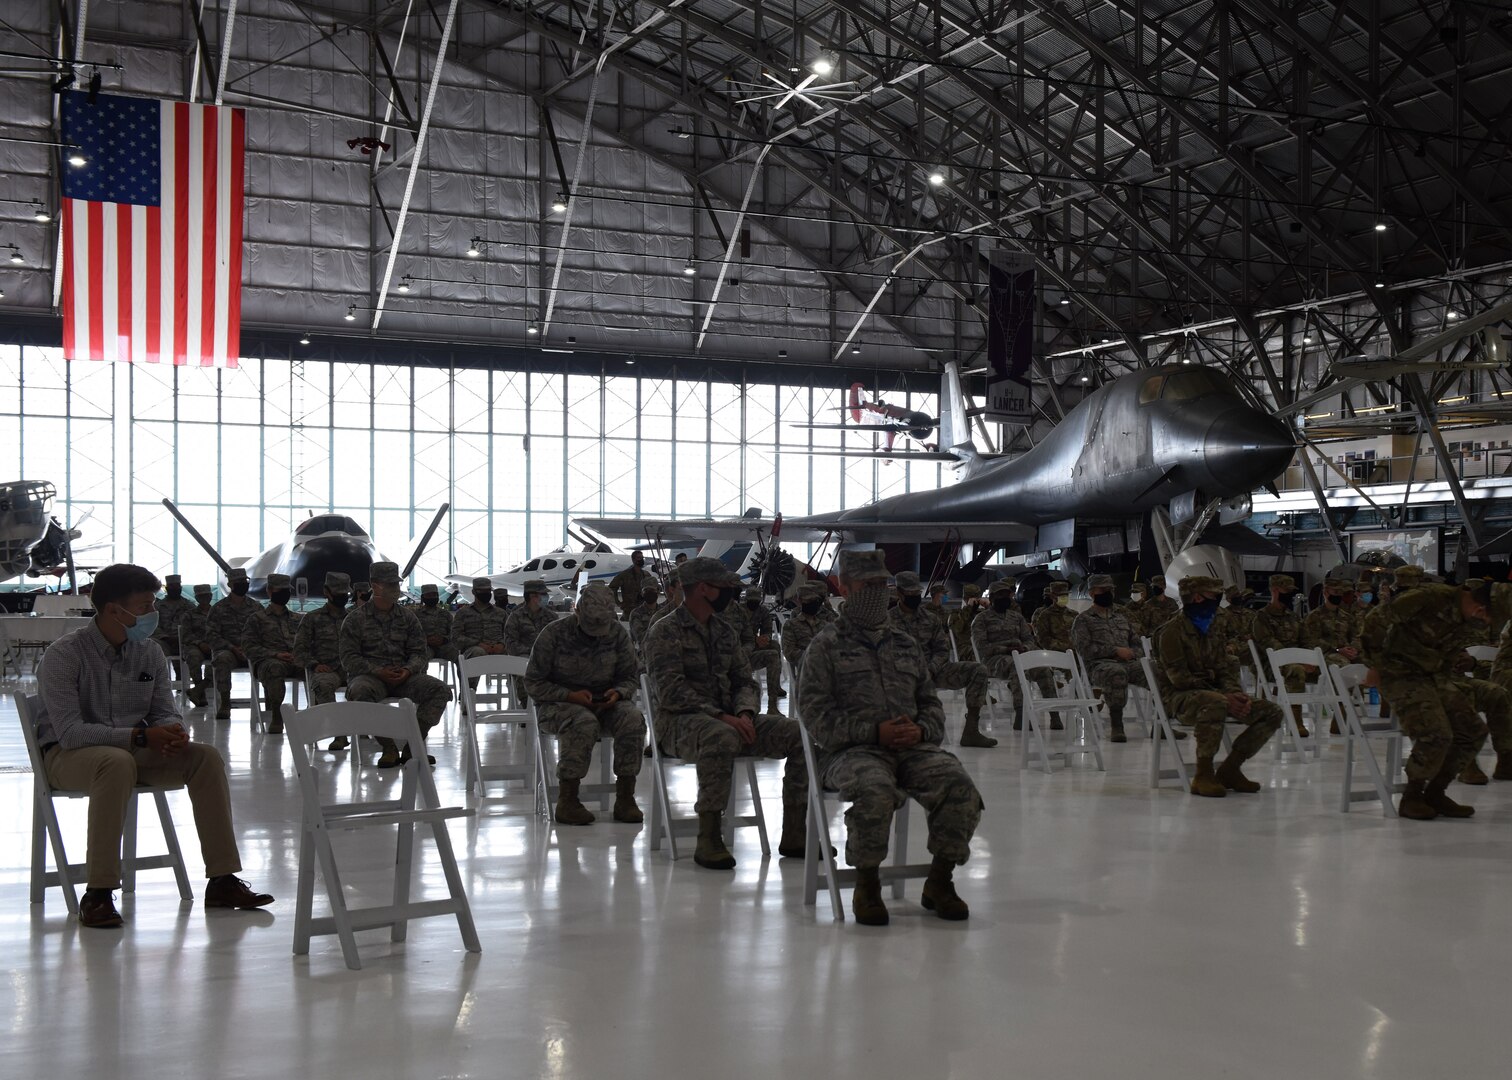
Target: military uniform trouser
770, 661
430, 695
712, 746
1113, 677
1295, 677
1206, 711
271, 674
875, 782
1495, 706
577, 728
1501, 725
1002, 667
195, 659
966, 675
1439, 719
441, 652
323, 686
224, 661
477, 651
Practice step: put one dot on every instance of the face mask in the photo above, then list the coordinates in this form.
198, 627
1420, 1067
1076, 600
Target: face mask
483, 598
175, 591
811, 607
1335, 599
1062, 601
1286, 599
912, 602
339, 600
280, 596
240, 588
752, 605
1367, 598
1002, 602
430, 601
1103, 599
723, 599
144, 627
1202, 614
866, 607
1347, 599
1136, 597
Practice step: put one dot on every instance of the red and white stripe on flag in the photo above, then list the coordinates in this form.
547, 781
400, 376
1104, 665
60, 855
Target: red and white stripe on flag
162, 284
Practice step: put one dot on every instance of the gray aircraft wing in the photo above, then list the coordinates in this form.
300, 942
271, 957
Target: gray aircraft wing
677, 531
808, 530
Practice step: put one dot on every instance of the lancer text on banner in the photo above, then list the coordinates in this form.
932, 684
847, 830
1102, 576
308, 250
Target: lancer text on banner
1010, 336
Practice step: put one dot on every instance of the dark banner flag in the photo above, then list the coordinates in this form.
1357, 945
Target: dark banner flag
1010, 335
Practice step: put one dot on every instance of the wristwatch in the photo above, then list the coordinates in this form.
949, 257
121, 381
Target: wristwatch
140, 737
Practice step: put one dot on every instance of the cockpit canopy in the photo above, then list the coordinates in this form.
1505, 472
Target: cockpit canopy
325, 523
1182, 386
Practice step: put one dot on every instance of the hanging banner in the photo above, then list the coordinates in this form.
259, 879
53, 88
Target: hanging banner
1011, 297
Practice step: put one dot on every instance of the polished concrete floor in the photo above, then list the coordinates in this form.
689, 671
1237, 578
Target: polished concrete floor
1116, 931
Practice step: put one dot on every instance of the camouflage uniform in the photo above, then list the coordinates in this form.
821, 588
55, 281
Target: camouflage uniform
171, 611
1096, 634
1334, 626
435, 623
268, 632
195, 630
372, 639
1052, 622
960, 622
697, 673
1195, 674
801, 628
226, 621
854, 679
318, 643
933, 640
1158, 610
752, 625
627, 586
1277, 627
524, 626
565, 658
473, 626
640, 620
996, 636
1235, 625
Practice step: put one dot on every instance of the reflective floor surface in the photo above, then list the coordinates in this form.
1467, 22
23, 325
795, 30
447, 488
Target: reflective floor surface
1116, 931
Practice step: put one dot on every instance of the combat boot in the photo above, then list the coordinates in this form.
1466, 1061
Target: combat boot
794, 831
625, 809
773, 709
939, 892
1503, 767
569, 811
1229, 776
1205, 783
1437, 797
1302, 732
275, 725
1055, 722
1116, 721
1414, 804
866, 901
196, 696
1473, 775
1333, 726
971, 734
711, 852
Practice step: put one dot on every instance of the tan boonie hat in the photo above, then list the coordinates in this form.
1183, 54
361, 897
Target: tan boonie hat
707, 571
384, 573
1191, 586
429, 590
1005, 585
1099, 581
236, 573
482, 583
534, 585
1284, 582
863, 565
202, 590
908, 582
336, 581
279, 581
1058, 588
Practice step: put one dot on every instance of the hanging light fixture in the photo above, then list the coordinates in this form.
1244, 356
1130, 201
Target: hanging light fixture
533, 328
16, 256
404, 284
937, 179
39, 212
559, 204
690, 269
77, 159
304, 339
351, 315
474, 249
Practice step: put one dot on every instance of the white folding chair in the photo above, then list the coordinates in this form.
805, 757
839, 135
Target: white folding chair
819, 858
1004, 686
491, 703
417, 804
1164, 733
259, 716
1482, 654
666, 827
546, 781
1359, 728
1264, 688
45, 828
1074, 702
1315, 699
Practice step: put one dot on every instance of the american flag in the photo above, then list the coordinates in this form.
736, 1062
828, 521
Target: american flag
152, 230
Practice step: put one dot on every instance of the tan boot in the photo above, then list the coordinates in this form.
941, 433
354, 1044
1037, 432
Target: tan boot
794, 842
866, 901
939, 892
1414, 803
1229, 776
971, 734
711, 852
1503, 767
1436, 796
625, 809
1472, 774
569, 811
1205, 783
1302, 731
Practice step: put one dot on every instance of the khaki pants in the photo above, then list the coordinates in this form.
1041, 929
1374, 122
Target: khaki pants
109, 774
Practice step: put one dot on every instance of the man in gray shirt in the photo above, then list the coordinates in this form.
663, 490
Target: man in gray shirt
107, 723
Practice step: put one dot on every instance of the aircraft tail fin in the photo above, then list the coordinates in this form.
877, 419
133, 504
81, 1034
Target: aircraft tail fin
955, 426
855, 401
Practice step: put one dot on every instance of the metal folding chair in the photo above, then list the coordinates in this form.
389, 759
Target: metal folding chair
1359, 728
1315, 699
492, 703
1073, 700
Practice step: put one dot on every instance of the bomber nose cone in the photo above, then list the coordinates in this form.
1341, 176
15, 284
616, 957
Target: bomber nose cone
1245, 449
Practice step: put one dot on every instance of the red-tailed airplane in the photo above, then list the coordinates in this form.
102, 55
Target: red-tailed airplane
893, 420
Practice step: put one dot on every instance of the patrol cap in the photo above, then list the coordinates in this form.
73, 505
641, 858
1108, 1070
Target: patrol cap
908, 582
363, 586
1233, 594
202, 590
534, 585
1247, 595
707, 571
1099, 581
1058, 588
1284, 582
482, 584
937, 587
336, 581
1191, 586
813, 590
753, 592
1139, 587
236, 573
173, 579
279, 581
384, 573
1158, 583
1335, 584
863, 565
1405, 577
650, 592
1002, 585
971, 592
429, 590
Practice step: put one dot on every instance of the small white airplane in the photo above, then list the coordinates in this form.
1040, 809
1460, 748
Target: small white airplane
565, 571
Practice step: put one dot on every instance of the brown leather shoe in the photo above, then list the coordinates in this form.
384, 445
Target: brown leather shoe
230, 891
97, 909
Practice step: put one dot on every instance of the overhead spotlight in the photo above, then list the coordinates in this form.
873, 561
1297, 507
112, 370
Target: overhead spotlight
855, 350
1086, 378
473, 249
682, 133
559, 204
533, 328
1307, 339
94, 87
1380, 226
1452, 315
2, 294
404, 283
937, 178
1107, 341
39, 212
629, 363
689, 268
351, 315
1065, 300
77, 159
16, 256
64, 81
781, 353
304, 339
1380, 284
823, 64
1186, 359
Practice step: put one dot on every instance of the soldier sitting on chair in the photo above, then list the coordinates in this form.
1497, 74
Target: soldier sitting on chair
171, 610
754, 624
268, 637
478, 627
706, 706
877, 723
1199, 683
197, 647
1109, 647
383, 655
582, 676
640, 615
227, 620
436, 621
317, 646
997, 634
803, 626
933, 640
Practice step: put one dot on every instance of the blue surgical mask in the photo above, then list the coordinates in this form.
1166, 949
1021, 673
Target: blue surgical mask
1367, 598
1202, 615
145, 626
